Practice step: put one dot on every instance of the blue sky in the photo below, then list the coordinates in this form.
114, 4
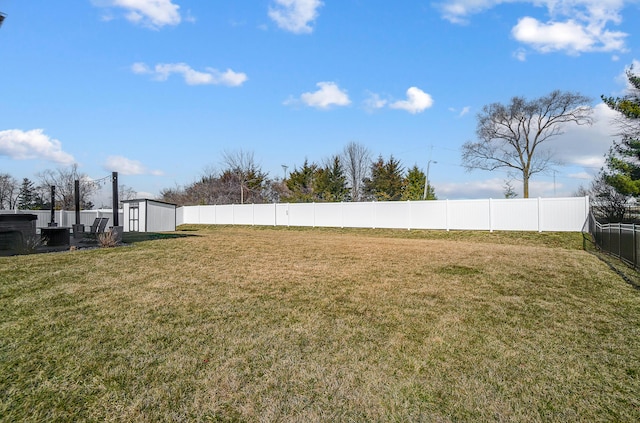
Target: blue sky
158, 90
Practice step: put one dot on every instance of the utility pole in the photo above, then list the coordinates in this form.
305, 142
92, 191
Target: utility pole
426, 182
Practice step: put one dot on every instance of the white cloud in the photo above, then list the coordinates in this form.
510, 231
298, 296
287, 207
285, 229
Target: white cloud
465, 110
487, 188
33, 144
162, 71
295, 15
585, 146
417, 101
570, 36
520, 54
573, 26
140, 68
581, 175
495, 187
127, 166
457, 11
329, 94
151, 13
145, 195
374, 102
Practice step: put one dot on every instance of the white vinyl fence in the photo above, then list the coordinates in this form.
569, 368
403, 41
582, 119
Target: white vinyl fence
66, 218
534, 214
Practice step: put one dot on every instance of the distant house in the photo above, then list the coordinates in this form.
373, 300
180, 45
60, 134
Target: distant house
146, 215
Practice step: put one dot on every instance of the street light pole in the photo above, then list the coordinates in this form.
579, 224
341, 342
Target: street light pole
426, 181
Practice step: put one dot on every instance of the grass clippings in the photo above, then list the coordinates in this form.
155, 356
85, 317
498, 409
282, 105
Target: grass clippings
272, 324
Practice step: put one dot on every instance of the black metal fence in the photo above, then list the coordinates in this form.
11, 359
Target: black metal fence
621, 240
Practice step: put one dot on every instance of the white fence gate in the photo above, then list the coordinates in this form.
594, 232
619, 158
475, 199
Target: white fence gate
534, 214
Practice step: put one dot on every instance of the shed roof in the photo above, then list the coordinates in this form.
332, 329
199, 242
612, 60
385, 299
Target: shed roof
139, 200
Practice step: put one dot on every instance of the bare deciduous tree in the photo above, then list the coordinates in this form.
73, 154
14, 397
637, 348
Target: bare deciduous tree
512, 136
9, 192
64, 181
607, 204
249, 176
356, 160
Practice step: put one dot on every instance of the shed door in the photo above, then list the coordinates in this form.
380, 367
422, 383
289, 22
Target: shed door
134, 217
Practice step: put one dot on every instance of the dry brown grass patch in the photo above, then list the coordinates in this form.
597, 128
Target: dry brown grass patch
276, 325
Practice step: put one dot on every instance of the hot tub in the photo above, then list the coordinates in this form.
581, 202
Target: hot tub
15, 232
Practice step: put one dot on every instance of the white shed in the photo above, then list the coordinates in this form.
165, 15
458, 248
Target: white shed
148, 216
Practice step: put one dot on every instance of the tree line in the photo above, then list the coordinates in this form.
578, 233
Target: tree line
513, 136
36, 195
350, 175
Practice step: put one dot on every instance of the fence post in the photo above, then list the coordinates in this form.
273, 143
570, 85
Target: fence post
490, 215
375, 216
446, 214
539, 215
635, 260
619, 240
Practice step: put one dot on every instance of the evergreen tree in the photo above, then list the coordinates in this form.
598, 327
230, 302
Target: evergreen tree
629, 105
330, 182
386, 181
28, 198
301, 184
623, 160
413, 188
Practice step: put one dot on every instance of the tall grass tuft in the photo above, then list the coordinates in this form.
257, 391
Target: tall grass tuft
108, 239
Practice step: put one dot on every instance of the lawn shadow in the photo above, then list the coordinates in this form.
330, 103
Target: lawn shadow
133, 237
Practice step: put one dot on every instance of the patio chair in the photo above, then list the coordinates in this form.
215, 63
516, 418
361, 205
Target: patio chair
102, 225
98, 226
94, 225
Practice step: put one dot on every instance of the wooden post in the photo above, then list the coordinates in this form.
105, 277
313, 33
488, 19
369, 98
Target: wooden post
114, 180
77, 198
53, 205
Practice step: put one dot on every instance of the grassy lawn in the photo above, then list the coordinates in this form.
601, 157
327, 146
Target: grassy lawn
277, 324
